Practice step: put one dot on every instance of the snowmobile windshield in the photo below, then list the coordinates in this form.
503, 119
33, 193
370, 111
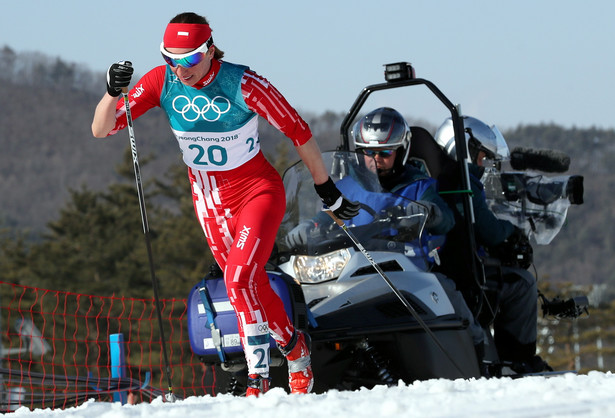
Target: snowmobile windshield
382, 223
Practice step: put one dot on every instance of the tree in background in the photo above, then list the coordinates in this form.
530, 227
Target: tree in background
96, 246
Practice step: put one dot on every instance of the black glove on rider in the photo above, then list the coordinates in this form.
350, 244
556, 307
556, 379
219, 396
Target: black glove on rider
300, 234
118, 76
426, 208
333, 198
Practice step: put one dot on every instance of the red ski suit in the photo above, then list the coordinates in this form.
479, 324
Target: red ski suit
240, 208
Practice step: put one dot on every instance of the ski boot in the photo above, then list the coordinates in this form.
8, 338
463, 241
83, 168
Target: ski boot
533, 365
257, 384
297, 353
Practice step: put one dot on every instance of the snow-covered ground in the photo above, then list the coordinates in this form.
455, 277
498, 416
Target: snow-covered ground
590, 395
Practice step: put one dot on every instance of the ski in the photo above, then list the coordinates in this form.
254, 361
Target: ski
546, 373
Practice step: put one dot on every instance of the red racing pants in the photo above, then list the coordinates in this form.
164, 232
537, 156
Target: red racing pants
240, 211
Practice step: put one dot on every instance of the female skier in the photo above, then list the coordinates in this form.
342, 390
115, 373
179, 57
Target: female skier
213, 108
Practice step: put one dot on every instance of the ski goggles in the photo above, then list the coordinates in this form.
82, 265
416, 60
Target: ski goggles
384, 153
187, 60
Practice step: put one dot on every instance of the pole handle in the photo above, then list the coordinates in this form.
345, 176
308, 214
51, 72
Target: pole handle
337, 220
124, 90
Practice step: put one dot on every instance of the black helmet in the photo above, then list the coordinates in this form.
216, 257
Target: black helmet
383, 128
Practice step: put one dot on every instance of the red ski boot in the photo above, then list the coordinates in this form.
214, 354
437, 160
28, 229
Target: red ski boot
257, 385
297, 353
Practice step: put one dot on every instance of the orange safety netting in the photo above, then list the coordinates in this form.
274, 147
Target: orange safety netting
55, 349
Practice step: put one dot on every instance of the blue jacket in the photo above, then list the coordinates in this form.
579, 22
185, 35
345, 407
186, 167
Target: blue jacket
412, 185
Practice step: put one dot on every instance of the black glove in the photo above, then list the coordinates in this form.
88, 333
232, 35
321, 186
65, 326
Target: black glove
333, 198
425, 208
118, 77
299, 235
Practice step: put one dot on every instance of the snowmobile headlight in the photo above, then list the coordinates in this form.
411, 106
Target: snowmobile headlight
316, 269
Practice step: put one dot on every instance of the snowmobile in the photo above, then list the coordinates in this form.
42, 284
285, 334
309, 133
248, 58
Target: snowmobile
362, 335
364, 291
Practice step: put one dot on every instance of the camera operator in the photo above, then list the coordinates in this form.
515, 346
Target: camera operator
511, 288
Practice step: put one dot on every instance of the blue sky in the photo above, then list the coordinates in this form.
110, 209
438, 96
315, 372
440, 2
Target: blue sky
507, 63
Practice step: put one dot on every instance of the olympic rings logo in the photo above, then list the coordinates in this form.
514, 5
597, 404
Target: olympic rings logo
201, 106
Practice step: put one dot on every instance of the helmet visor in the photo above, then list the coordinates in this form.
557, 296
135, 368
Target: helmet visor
501, 150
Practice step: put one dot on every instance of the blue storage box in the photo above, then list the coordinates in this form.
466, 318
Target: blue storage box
201, 341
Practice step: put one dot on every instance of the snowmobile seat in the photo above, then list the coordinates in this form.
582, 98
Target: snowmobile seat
425, 150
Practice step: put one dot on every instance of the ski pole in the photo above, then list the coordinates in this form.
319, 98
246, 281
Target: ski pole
135, 160
395, 290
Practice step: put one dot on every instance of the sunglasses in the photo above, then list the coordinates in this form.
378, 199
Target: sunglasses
384, 153
187, 60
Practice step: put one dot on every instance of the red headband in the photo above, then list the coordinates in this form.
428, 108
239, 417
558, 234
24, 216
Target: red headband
186, 35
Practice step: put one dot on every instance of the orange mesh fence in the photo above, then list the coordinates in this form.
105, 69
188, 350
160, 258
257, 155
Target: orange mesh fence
55, 350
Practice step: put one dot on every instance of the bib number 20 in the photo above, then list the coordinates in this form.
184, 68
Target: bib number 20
214, 154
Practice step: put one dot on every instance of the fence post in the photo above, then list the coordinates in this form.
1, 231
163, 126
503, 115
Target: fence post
577, 345
118, 364
16, 396
599, 356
